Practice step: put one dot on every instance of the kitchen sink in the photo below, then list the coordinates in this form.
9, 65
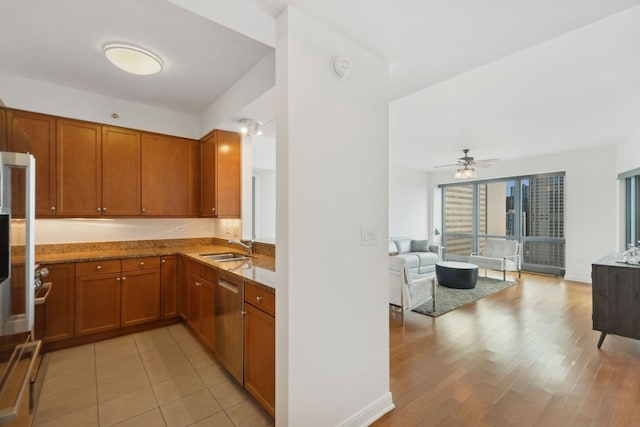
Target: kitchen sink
224, 257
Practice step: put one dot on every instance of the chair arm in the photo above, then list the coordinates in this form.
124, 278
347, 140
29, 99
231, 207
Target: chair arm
440, 250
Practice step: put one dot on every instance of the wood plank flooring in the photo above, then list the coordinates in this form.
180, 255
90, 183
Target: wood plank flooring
525, 356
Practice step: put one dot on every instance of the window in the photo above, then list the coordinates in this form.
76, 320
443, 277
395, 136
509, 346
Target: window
632, 215
528, 209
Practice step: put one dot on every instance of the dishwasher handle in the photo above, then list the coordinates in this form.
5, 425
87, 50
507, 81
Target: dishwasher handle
228, 285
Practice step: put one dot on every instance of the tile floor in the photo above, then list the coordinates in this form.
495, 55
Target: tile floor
161, 377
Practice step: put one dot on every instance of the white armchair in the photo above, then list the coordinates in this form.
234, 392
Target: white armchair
499, 254
409, 291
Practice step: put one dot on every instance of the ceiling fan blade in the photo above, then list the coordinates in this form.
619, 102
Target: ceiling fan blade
486, 161
447, 166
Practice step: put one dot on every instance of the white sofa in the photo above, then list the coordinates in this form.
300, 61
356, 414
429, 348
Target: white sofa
421, 257
499, 254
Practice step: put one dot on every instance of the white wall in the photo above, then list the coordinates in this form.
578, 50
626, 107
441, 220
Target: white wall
408, 203
42, 97
628, 155
591, 201
265, 205
332, 326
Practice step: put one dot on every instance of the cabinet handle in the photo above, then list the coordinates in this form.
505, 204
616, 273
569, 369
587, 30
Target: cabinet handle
243, 312
104, 209
164, 260
259, 299
118, 279
99, 209
141, 263
198, 284
98, 267
52, 208
213, 209
144, 210
124, 278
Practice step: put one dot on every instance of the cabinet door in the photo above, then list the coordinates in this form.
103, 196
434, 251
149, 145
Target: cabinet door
168, 287
167, 175
140, 296
3, 130
79, 160
260, 357
36, 134
193, 305
207, 312
97, 303
120, 172
55, 318
220, 191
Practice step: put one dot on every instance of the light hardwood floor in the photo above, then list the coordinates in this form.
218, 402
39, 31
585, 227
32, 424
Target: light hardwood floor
525, 356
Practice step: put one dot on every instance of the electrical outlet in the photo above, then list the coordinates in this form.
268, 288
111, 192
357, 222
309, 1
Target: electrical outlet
369, 236
180, 228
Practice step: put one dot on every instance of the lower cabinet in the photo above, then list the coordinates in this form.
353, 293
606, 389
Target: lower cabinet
168, 286
140, 286
200, 297
110, 294
97, 296
55, 319
260, 345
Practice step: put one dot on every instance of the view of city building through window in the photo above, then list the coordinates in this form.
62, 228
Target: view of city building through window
527, 209
632, 217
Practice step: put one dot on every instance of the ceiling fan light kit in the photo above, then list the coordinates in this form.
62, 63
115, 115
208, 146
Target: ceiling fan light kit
466, 165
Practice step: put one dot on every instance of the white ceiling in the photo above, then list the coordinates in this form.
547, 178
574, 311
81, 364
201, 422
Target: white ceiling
506, 78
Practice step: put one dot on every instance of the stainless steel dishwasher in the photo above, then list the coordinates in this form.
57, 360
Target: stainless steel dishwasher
229, 342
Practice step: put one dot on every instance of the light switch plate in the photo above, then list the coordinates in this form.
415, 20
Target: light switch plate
370, 236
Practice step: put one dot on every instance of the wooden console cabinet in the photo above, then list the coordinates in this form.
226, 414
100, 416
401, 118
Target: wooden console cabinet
616, 298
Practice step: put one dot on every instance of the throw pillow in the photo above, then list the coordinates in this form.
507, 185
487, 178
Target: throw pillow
419, 246
403, 245
392, 247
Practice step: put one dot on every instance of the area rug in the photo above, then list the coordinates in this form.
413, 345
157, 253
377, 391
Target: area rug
448, 299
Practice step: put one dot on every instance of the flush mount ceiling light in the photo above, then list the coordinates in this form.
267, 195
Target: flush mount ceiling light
250, 127
133, 59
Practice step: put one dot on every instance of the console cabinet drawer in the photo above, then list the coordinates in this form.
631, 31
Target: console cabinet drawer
260, 297
97, 267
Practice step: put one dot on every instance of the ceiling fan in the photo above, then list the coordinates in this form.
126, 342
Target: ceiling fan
467, 164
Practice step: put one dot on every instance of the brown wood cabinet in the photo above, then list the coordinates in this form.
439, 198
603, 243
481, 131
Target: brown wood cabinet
79, 168
168, 286
201, 301
220, 172
55, 319
140, 290
3, 130
35, 133
616, 298
259, 345
167, 175
98, 296
120, 172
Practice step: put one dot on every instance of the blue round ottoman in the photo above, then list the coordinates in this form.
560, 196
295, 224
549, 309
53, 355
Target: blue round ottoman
457, 275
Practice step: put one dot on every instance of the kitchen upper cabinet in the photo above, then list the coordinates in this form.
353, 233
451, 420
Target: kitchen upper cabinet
120, 172
55, 319
36, 134
168, 286
140, 283
260, 345
79, 168
220, 169
3, 130
167, 175
98, 296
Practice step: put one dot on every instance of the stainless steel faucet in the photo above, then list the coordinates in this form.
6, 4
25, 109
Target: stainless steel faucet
248, 247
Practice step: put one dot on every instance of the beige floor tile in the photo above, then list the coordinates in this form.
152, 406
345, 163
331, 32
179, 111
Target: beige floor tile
154, 340
61, 404
201, 358
69, 381
87, 417
228, 393
186, 411
129, 364
167, 363
126, 406
117, 386
249, 414
216, 420
178, 387
180, 332
148, 419
190, 345
107, 351
213, 374
73, 359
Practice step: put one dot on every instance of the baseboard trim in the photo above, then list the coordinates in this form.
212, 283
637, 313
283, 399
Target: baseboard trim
368, 415
582, 279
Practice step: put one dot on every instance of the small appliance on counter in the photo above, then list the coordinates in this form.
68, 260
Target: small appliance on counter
19, 352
